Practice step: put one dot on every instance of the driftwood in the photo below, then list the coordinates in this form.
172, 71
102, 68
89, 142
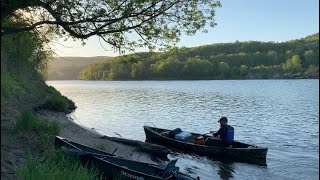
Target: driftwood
154, 149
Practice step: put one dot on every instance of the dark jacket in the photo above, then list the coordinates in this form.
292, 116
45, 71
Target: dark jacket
226, 133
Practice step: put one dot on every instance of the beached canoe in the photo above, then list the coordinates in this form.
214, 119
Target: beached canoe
239, 152
115, 167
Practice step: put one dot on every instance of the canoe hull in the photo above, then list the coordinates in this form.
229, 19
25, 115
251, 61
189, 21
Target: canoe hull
245, 152
114, 167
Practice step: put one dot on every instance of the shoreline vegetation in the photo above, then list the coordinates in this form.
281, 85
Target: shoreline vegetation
294, 59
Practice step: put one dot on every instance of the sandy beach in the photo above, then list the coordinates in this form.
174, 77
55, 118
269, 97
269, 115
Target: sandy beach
129, 149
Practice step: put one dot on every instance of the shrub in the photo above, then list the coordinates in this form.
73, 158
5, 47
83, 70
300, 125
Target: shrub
58, 102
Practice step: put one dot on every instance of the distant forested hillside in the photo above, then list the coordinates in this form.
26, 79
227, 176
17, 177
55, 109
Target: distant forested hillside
68, 68
239, 60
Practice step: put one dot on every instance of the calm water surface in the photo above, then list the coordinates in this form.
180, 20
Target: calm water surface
282, 115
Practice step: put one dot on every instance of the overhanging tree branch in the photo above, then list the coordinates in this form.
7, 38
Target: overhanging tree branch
150, 19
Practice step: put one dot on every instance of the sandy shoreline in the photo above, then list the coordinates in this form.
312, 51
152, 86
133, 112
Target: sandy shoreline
139, 151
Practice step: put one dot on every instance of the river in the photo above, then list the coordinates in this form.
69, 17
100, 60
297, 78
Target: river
282, 115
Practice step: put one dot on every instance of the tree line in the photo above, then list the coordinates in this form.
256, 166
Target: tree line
239, 60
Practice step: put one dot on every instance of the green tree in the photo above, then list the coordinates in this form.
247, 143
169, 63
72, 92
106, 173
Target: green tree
119, 71
223, 68
169, 68
243, 70
25, 52
273, 57
293, 64
137, 71
153, 22
311, 58
196, 67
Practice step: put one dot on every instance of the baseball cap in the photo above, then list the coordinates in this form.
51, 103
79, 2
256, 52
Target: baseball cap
223, 119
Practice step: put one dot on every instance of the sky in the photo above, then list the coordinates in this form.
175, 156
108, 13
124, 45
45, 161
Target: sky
242, 20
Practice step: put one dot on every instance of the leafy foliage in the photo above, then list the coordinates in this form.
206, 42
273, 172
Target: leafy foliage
239, 60
26, 52
124, 24
24, 58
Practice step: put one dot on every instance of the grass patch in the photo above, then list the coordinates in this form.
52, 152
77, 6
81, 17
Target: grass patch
13, 85
57, 166
28, 121
48, 130
56, 101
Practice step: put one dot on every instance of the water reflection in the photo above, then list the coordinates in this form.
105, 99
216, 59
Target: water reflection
226, 170
205, 168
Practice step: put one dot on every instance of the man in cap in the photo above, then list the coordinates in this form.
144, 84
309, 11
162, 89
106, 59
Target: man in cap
225, 134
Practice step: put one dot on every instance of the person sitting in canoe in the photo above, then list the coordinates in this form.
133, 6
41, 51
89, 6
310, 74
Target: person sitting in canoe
225, 135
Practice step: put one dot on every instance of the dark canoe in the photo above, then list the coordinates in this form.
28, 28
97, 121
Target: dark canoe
115, 167
239, 152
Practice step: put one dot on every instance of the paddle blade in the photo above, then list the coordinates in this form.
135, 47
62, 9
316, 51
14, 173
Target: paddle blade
170, 169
